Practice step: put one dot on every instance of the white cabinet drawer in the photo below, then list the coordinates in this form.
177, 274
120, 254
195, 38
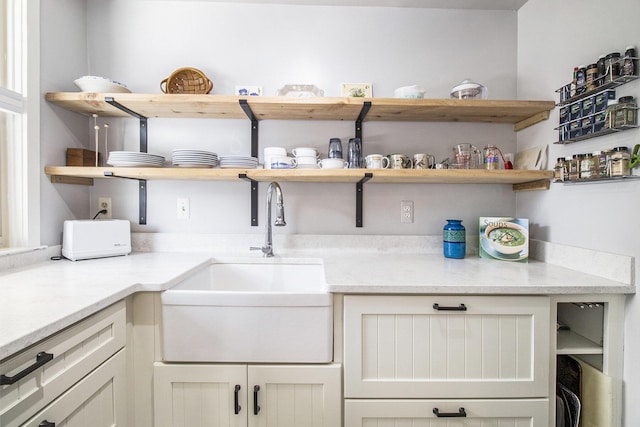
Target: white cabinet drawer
466, 413
76, 351
403, 347
99, 400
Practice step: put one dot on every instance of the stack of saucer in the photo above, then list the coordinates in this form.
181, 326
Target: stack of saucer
194, 159
134, 159
241, 162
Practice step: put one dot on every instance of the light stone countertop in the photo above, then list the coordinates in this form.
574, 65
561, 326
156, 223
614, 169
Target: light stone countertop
43, 298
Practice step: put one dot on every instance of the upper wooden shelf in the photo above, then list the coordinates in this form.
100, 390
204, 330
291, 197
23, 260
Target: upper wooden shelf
519, 113
521, 179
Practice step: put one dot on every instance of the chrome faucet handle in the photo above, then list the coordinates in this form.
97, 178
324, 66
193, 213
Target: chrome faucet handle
266, 250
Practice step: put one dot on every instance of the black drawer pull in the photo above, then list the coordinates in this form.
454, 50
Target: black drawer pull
438, 307
460, 414
42, 358
256, 407
236, 403
46, 423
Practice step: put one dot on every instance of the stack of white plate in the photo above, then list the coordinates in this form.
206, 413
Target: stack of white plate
194, 159
238, 162
134, 159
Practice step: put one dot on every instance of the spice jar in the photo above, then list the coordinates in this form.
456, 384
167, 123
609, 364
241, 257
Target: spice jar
581, 80
610, 114
602, 69
592, 76
612, 65
573, 169
588, 167
490, 155
626, 112
559, 170
620, 162
630, 63
601, 163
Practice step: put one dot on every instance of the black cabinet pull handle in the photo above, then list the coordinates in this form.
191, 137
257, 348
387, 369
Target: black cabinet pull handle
46, 423
256, 407
42, 358
438, 307
236, 398
460, 414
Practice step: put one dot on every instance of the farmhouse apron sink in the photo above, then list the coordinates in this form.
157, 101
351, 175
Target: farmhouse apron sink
254, 310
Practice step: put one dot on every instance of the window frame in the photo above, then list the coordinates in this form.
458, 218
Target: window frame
20, 99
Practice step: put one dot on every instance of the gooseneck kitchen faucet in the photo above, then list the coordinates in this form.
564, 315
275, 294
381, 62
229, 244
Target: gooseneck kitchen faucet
267, 249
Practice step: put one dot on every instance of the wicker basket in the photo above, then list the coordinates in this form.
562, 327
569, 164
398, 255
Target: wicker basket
186, 80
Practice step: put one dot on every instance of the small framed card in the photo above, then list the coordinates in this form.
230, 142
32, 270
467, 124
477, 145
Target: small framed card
249, 90
356, 90
504, 238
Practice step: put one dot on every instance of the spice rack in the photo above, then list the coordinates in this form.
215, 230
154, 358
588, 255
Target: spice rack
587, 131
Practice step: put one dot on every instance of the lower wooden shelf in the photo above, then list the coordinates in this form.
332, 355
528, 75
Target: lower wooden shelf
522, 180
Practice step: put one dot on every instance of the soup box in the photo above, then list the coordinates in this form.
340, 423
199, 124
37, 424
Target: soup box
504, 238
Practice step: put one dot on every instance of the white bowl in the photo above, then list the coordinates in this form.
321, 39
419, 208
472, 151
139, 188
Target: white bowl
305, 152
502, 239
307, 160
100, 85
332, 164
409, 92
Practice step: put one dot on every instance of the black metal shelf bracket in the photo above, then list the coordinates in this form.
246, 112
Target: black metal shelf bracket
359, 191
142, 192
254, 126
366, 106
142, 183
254, 198
143, 121
254, 153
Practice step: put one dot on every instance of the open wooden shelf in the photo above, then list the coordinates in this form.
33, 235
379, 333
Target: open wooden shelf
521, 179
145, 106
519, 113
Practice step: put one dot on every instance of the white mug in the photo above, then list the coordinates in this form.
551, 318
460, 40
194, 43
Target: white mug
332, 164
269, 152
377, 161
283, 162
424, 161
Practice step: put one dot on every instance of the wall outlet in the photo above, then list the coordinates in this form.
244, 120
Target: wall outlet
183, 208
104, 203
406, 211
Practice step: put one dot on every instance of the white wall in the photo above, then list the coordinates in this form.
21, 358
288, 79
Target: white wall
63, 58
553, 37
141, 42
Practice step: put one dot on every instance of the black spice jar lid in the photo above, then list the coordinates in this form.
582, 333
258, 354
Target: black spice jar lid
625, 99
620, 149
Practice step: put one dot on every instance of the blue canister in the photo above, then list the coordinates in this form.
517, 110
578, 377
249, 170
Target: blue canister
454, 239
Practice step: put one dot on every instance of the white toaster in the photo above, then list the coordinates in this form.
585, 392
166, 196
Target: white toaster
85, 239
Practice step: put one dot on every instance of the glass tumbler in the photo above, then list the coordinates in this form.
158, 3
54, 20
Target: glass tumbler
354, 158
335, 148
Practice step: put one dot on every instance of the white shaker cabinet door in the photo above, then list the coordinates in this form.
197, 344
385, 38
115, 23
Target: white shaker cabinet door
295, 395
214, 395
446, 346
190, 395
460, 413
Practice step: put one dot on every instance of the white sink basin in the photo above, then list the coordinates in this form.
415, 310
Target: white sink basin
257, 310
